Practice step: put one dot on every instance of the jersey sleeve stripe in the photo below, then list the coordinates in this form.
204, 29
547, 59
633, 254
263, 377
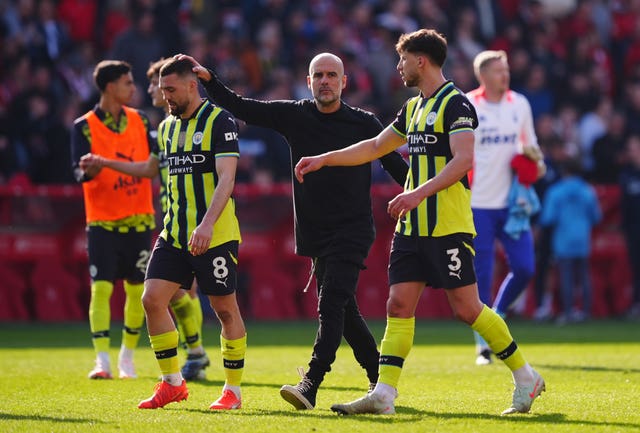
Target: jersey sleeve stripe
394, 129
455, 131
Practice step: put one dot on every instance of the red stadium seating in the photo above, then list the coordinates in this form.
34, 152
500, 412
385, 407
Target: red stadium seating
13, 288
43, 252
56, 293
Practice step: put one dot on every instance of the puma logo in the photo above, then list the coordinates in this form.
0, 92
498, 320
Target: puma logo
223, 282
123, 156
455, 274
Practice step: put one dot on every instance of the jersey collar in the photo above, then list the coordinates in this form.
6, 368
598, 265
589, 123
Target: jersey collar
440, 90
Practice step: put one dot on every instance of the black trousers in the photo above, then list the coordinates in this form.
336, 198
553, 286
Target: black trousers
338, 313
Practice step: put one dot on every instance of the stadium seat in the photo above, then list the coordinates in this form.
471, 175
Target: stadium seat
610, 274
609, 199
117, 302
271, 291
56, 293
433, 304
13, 288
373, 292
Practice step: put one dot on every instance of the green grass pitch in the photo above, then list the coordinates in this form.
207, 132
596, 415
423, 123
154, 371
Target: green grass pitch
592, 372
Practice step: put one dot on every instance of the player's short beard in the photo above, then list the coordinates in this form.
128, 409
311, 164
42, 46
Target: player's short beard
177, 110
411, 81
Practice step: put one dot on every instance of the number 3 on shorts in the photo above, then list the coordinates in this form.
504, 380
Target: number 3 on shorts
455, 260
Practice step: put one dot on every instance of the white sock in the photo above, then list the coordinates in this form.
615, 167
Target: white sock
386, 392
196, 350
102, 360
523, 375
235, 389
125, 353
174, 379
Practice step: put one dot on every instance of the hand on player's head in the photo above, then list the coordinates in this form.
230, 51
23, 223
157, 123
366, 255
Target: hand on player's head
198, 69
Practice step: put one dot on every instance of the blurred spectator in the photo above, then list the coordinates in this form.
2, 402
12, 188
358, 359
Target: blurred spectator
631, 105
465, 43
48, 37
113, 20
398, 18
576, 92
382, 62
167, 23
80, 18
630, 184
579, 22
547, 50
531, 16
270, 48
359, 90
266, 150
592, 126
45, 140
566, 126
76, 72
19, 16
563, 55
8, 163
40, 139
571, 209
489, 18
553, 150
537, 91
602, 16
510, 38
432, 16
607, 153
519, 65
625, 16
631, 54
140, 45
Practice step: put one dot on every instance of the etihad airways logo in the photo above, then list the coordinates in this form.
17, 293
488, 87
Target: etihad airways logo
182, 164
413, 139
418, 143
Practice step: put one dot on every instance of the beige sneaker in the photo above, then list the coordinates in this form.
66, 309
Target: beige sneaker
101, 370
370, 403
126, 368
523, 396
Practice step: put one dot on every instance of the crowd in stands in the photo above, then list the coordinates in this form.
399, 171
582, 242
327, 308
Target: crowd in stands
577, 61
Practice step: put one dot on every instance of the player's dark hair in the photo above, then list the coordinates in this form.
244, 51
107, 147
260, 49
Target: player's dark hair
108, 71
154, 68
426, 41
181, 67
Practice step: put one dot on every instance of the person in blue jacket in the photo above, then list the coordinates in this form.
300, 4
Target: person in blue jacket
571, 209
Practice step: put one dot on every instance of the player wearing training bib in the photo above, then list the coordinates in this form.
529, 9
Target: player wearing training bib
119, 211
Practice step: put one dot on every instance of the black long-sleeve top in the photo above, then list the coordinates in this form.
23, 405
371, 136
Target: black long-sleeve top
332, 208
